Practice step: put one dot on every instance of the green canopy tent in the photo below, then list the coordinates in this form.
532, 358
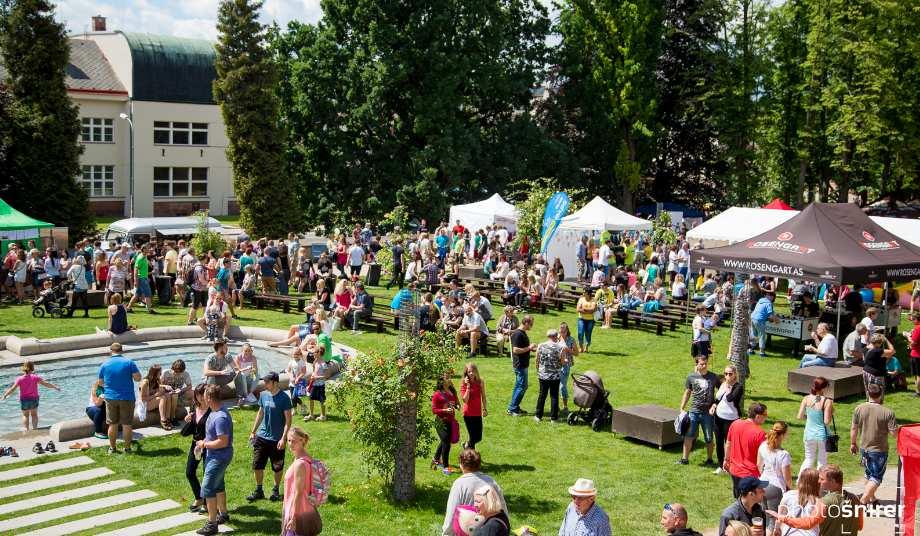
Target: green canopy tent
17, 227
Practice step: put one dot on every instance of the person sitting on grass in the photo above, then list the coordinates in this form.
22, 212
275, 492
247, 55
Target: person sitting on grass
28, 394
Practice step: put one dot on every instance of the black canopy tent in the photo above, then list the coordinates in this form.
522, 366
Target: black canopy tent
834, 243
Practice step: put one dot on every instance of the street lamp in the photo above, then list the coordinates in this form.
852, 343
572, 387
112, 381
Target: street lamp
130, 164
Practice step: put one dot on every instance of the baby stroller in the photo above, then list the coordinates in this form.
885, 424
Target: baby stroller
589, 395
52, 301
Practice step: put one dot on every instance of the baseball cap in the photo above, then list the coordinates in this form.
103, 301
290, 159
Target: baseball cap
750, 483
271, 377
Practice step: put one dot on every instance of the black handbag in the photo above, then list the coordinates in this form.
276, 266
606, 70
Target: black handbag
831, 443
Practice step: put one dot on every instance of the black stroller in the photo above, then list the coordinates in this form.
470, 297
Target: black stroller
52, 301
590, 397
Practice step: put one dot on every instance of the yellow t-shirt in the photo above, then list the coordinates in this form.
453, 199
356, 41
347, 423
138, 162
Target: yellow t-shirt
587, 308
604, 296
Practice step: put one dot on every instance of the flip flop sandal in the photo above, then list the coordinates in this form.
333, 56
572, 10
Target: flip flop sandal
50, 447
12, 452
76, 446
4, 451
37, 449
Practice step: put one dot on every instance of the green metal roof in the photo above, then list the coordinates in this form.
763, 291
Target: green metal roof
171, 69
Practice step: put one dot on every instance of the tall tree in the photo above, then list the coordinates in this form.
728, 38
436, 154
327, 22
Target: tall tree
43, 153
607, 58
688, 159
413, 104
245, 89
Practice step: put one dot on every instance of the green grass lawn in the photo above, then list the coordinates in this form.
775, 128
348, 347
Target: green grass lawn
534, 463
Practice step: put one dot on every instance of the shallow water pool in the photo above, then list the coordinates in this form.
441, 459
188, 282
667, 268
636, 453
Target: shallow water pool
75, 376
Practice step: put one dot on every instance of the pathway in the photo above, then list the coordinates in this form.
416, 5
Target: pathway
91, 489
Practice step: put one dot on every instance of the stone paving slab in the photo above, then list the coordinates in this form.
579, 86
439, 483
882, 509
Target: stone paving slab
223, 529
105, 519
54, 482
32, 470
74, 509
76, 493
157, 525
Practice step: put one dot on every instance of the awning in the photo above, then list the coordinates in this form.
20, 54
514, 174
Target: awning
178, 231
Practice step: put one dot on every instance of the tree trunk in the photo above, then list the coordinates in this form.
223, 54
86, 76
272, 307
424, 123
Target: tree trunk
843, 188
404, 458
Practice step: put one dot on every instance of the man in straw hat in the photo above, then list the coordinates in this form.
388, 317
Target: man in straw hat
584, 517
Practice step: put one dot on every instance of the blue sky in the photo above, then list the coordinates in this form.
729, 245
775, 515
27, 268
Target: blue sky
186, 18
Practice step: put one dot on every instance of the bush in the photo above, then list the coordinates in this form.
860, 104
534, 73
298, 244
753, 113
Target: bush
206, 240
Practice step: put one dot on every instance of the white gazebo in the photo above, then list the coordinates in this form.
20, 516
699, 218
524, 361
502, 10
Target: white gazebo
478, 215
597, 215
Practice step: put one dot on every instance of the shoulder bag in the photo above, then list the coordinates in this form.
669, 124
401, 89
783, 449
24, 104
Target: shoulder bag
831, 443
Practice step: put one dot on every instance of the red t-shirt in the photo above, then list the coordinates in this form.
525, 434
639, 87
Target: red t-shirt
745, 438
458, 230
473, 407
915, 342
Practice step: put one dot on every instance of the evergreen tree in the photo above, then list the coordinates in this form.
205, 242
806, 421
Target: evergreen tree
245, 89
43, 152
689, 160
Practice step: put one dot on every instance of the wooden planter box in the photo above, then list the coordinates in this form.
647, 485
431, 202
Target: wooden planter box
650, 423
842, 381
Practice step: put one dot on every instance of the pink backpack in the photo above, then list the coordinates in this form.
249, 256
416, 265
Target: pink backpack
318, 481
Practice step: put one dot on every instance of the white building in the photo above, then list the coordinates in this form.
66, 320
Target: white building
163, 84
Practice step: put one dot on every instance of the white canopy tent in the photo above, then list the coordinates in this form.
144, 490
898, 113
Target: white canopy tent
597, 215
478, 215
740, 223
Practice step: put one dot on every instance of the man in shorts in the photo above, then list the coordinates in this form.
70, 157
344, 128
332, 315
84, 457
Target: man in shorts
872, 422
141, 275
118, 375
269, 434
700, 390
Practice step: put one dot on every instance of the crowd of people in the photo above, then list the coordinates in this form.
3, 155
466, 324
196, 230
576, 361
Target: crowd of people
615, 273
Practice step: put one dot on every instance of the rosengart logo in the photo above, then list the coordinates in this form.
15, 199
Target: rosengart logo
782, 243
872, 245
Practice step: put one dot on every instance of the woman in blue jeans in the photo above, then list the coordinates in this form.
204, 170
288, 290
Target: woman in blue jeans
585, 308
566, 337
194, 426
95, 410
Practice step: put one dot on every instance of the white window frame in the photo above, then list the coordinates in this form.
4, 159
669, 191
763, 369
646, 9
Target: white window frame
93, 173
187, 180
171, 129
96, 129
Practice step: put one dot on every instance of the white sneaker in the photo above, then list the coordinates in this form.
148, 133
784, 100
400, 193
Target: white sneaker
307, 418
251, 399
321, 418
718, 471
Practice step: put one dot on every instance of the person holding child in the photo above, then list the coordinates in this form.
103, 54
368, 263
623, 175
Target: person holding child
28, 394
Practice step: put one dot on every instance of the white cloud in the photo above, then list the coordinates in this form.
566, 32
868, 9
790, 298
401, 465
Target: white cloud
183, 18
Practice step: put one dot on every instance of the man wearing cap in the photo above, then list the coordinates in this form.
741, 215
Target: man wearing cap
269, 433
584, 517
549, 366
674, 520
747, 508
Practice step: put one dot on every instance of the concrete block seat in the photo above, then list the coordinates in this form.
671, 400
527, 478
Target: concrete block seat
650, 423
843, 380
72, 429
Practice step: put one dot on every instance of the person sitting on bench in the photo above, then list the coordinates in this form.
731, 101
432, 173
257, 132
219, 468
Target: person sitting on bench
825, 353
472, 327
360, 308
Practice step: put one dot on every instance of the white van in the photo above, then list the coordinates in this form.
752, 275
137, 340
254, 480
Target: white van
137, 231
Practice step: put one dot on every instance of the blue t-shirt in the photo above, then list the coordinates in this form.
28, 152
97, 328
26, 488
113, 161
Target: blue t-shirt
763, 310
117, 377
267, 266
223, 277
218, 424
441, 241
273, 408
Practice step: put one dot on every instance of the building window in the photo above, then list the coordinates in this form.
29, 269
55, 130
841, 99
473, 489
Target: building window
180, 182
179, 133
99, 181
97, 130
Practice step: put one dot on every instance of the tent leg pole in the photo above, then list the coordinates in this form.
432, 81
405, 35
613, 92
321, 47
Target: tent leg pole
838, 313
897, 500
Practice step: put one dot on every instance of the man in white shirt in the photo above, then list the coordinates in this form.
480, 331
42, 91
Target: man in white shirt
472, 327
355, 259
825, 353
502, 235
603, 254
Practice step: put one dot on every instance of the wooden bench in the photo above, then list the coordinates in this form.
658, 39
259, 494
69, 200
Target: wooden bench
275, 300
650, 423
640, 319
843, 380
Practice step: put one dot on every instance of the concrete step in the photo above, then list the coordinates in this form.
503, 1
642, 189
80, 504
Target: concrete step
32, 470
157, 525
54, 482
76, 493
105, 519
74, 509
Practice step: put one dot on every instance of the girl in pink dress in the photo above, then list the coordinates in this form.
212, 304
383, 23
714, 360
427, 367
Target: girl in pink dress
28, 394
299, 517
